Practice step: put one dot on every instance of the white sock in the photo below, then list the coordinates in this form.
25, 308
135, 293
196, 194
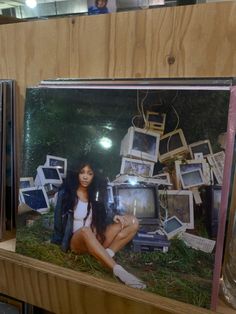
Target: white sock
127, 278
110, 252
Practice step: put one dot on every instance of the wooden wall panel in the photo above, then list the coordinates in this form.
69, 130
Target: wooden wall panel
176, 42
184, 41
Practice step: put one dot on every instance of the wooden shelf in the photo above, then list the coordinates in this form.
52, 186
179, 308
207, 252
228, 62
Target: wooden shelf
60, 290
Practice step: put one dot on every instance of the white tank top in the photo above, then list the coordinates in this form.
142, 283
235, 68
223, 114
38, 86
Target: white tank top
79, 214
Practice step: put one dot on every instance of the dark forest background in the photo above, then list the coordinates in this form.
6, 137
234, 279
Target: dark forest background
69, 122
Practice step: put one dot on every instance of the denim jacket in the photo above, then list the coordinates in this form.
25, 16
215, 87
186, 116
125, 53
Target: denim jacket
63, 224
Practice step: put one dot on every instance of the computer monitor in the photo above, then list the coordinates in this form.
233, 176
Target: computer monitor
140, 201
136, 167
36, 198
26, 182
193, 164
156, 121
190, 179
203, 147
178, 203
172, 227
172, 144
140, 143
48, 175
58, 162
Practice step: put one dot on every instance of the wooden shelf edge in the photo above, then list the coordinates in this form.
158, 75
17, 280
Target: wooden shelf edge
61, 290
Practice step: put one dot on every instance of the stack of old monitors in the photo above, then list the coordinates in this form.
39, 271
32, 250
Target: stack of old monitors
139, 150
8, 180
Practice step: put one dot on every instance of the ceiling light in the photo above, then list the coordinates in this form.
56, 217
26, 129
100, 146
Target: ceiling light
31, 3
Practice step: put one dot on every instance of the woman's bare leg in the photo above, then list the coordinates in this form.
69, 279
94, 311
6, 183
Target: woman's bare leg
85, 241
116, 237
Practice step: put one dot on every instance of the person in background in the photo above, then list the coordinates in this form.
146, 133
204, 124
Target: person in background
100, 7
80, 222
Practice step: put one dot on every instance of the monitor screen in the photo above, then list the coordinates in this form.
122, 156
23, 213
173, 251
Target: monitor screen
178, 203
138, 201
156, 118
201, 148
170, 143
145, 143
35, 199
25, 184
138, 167
50, 173
59, 164
171, 225
192, 178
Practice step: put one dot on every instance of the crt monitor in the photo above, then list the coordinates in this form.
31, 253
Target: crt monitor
140, 201
172, 144
58, 162
172, 227
26, 182
48, 175
140, 143
36, 198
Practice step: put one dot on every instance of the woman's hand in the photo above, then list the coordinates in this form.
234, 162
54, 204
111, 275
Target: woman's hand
120, 219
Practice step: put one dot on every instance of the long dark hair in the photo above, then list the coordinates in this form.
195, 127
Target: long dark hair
96, 198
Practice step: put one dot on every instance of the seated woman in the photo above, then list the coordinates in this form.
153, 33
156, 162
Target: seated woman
80, 223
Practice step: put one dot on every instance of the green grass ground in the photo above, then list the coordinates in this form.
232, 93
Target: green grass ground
182, 273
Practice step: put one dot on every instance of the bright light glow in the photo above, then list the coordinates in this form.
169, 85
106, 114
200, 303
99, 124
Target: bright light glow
105, 142
31, 3
133, 181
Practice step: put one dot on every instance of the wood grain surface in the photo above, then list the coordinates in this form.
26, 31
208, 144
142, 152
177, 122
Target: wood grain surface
65, 291
175, 42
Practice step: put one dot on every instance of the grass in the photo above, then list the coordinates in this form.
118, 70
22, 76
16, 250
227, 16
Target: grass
182, 273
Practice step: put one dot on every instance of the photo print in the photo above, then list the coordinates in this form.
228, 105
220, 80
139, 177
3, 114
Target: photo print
92, 135
101, 6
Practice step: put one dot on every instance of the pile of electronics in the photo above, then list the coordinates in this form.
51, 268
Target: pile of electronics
164, 212
40, 193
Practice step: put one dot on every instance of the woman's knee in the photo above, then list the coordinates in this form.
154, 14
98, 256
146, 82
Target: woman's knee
86, 232
133, 222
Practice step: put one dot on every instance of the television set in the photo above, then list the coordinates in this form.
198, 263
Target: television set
172, 144
189, 165
156, 121
140, 201
203, 147
26, 182
136, 167
140, 143
193, 178
48, 175
36, 198
178, 203
58, 162
173, 227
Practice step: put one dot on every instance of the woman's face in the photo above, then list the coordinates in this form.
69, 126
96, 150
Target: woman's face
86, 176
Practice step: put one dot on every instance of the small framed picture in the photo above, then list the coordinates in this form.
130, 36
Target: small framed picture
101, 6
